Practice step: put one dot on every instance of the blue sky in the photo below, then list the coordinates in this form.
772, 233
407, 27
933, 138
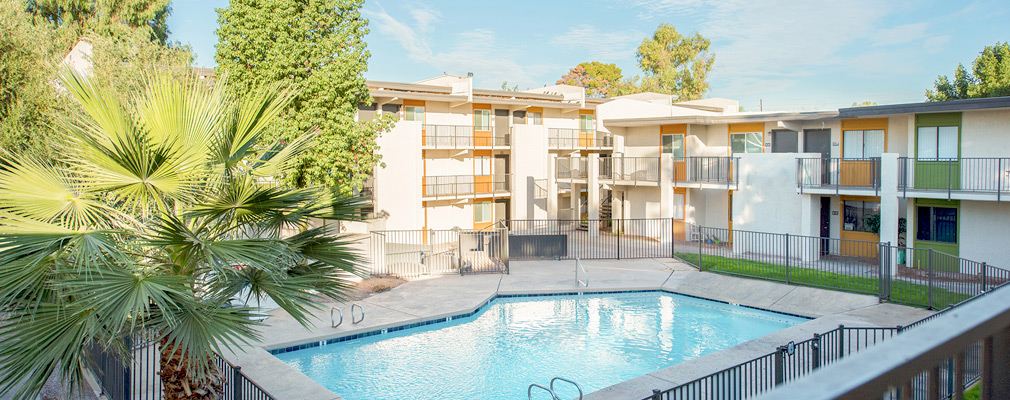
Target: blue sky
791, 54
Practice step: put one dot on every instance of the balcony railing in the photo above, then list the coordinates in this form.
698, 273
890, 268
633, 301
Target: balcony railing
461, 137
838, 173
974, 175
629, 169
452, 186
572, 168
716, 170
565, 138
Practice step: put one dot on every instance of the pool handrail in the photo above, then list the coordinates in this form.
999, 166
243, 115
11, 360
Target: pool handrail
558, 378
332, 325
353, 321
529, 391
579, 281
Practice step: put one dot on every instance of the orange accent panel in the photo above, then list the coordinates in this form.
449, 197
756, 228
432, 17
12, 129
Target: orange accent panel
481, 106
749, 127
867, 250
679, 227
482, 138
673, 129
413, 103
864, 124
480, 153
857, 173
483, 184
586, 112
535, 109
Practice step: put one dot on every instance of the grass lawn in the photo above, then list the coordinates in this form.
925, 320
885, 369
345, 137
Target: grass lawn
901, 291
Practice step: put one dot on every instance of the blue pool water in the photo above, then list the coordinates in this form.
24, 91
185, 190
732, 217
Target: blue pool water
595, 340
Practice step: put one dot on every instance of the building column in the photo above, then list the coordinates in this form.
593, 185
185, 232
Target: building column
889, 203
552, 187
666, 206
810, 223
593, 193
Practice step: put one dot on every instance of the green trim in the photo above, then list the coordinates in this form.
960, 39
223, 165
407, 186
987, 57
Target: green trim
948, 248
937, 119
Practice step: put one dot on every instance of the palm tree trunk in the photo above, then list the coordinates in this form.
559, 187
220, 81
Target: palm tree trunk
177, 382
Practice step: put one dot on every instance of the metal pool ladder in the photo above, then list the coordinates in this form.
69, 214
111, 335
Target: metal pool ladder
550, 389
578, 280
336, 322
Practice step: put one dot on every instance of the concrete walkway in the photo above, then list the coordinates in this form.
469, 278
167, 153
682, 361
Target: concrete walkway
437, 297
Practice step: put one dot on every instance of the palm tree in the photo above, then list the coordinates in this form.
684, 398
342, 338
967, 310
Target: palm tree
165, 208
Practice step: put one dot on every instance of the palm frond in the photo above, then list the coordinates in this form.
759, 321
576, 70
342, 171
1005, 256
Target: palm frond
39, 191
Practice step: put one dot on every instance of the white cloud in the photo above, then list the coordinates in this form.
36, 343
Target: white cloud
417, 47
900, 34
597, 45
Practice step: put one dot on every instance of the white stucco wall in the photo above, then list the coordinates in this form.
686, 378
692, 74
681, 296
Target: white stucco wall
450, 214
398, 185
984, 229
984, 134
641, 141
767, 200
529, 163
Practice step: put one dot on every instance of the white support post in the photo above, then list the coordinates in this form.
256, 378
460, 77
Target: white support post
666, 196
552, 187
593, 193
889, 210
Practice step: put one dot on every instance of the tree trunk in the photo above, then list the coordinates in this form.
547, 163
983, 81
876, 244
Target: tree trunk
177, 381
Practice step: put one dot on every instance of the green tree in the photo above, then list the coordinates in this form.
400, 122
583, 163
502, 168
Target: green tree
318, 47
28, 102
989, 77
599, 79
72, 19
675, 64
168, 211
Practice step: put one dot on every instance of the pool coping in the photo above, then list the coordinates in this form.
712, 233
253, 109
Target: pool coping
376, 331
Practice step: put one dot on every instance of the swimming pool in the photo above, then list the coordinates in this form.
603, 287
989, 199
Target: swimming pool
596, 340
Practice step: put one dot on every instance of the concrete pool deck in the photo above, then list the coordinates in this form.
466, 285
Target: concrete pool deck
437, 297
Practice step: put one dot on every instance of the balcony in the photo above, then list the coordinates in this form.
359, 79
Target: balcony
449, 187
961, 178
461, 137
859, 176
573, 139
629, 170
572, 168
706, 172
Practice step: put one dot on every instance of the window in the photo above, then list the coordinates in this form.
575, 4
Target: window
863, 144
413, 113
861, 216
535, 118
937, 142
746, 142
482, 212
482, 166
482, 120
936, 224
678, 206
674, 144
586, 124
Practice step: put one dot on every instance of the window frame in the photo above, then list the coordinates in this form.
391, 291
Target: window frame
480, 117
410, 113
932, 226
673, 145
590, 126
760, 142
859, 225
935, 141
535, 118
482, 164
487, 214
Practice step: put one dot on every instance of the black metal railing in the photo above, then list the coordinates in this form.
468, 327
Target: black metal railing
414, 253
597, 238
718, 170
569, 138
972, 175
644, 169
452, 186
838, 173
138, 379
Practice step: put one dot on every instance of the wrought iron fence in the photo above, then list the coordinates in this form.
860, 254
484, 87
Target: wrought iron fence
597, 238
838, 173
976, 175
138, 379
413, 253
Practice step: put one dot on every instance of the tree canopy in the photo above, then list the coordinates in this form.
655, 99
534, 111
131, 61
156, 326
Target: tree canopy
989, 77
599, 79
675, 64
317, 47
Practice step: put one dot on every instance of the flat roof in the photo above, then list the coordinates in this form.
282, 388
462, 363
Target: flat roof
987, 103
721, 119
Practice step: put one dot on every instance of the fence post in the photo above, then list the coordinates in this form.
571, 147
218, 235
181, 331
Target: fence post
236, 383
700, 239
619, 243
929, 304
127, 382
657, 394
780, 365
673, 238
984, 283
787, 259
884, 272
841, 341
459, 246
815, 348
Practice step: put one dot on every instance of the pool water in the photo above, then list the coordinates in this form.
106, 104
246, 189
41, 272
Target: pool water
596, 340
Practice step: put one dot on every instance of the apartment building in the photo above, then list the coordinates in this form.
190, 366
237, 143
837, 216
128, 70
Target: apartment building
928, 175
